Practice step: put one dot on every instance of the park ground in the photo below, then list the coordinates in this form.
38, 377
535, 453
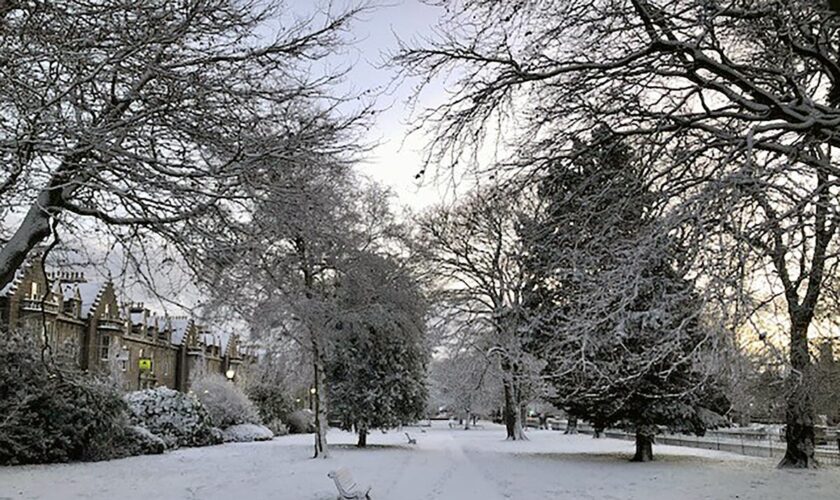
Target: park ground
445, 464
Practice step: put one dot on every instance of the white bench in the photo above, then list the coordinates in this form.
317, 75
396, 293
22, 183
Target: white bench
347, 487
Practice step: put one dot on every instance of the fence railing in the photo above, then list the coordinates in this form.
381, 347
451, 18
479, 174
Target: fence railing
743, 442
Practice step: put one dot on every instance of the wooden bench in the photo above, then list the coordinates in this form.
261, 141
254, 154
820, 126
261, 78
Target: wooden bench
347, 487
411, 440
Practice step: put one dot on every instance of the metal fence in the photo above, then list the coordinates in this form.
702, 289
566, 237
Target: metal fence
743, 442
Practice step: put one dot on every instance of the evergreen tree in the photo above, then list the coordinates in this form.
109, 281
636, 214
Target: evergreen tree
376, 368
621, 328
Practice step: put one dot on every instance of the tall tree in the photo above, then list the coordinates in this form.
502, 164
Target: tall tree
376, 368
620, 325
146, 117
475, 253
738, 103
290, 255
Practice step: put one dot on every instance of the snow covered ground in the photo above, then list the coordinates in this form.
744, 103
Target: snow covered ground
445, 464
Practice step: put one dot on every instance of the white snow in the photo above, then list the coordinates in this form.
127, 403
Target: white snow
244, 433
445, 464
179, 327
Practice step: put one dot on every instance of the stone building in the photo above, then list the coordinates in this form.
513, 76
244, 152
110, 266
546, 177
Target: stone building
83, 322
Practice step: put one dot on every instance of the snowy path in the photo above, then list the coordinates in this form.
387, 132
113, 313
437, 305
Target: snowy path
446, 464
440, 469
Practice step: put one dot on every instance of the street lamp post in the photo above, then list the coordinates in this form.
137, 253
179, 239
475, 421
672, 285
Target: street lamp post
312, 392
230, 374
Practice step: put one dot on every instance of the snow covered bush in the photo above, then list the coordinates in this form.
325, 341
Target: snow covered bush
140, 441
126, 441
50, 413
301, 422
177, 418
226, 403
278, 427
245, 433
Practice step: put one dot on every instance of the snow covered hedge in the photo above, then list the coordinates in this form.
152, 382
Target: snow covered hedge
138, 440
301, 422
49, 413
243, 433
226, 403
178, 419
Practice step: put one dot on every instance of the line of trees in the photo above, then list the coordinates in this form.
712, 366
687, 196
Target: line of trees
731, 110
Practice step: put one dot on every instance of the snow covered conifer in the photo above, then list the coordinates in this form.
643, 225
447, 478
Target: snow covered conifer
377, 368
621, 327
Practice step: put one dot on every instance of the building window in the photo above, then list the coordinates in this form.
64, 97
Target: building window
34, 290
123, 365
107, 309
104, 347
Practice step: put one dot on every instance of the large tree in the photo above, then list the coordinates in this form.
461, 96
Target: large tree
376, 367
474, 252
147, 117
620, 325
310, 227
738, 103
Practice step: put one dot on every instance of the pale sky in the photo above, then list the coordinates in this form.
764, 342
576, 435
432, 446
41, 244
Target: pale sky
396, 160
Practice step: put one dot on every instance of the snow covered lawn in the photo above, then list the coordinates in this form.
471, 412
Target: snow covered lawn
445, 464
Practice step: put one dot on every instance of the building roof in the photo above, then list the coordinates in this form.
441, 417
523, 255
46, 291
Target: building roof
218, 338
179, 325
89, 293
12, 285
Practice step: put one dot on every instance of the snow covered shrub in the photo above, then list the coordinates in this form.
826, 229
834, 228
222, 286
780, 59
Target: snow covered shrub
140, 441
226, 403
301, 422
49, 413
177, 418
278, 427
245, 433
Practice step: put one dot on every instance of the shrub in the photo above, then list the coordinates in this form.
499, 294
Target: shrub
278, 427
244, 433
49, 413
301, 422
271, 400
226, 403
177, 418
140, 441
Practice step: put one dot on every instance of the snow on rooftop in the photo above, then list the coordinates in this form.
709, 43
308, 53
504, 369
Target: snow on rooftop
179, 325
88, 293
12, 285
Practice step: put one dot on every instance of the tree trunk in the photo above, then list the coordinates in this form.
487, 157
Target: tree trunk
321, 449
34, 229
644, 443
512, 414
598, 431
363, 432
799, 411
571, 425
